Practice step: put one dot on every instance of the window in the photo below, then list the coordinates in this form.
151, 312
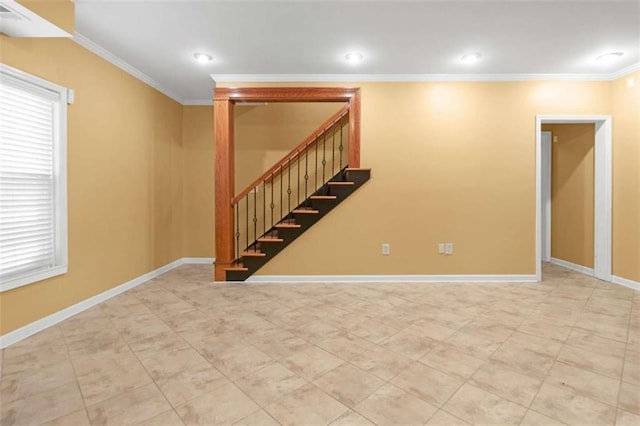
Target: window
33, 184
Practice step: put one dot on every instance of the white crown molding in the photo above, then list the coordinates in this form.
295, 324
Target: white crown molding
336, 78
626, 282
371, 279
573, 266
125, 66
53, 319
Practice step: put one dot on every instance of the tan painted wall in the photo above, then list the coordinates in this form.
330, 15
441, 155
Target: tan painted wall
626, 178
572, 192
125, 195
452, 162
59, 12
199, 180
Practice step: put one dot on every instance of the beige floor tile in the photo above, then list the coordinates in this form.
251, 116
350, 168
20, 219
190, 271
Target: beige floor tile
279, 344
594, 343
382, 362
225, 405
452, 361
476, 346
442, 418
23, 384
431, 329
17, 359
523, 361
159, 342
259, 418
535, 344
409, 344
545, 329
77, 418
427, 383
626, 418
631, 370
629, 398
391, 405
584, 382
168, 418
307, 405
493, 377
239, 360
348, 384
312, 362
270, 383
131, 407
345, 346
103, 378
373, 331
42, 407
533, 418
607, 365
570, 407
190, 383
477, 406
351, 418
164, 364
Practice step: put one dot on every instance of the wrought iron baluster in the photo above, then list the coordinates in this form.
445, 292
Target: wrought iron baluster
341, 147
306, 173
324, 158
246, 199
272, 205
237, 207
289, 185
255, 217
298, 181
315, 170
281, 215
333, 152
264, 207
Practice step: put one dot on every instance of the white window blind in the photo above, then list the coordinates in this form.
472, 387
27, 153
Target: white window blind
32, 246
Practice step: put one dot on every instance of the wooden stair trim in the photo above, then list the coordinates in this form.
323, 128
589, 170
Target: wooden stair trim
357, 169
323, 197
252, 254
305, 211
287, 225
270, 240
237, 268
333, 183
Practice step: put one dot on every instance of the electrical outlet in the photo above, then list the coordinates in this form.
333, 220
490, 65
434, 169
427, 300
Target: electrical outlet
441, 248
448, 249
386, 249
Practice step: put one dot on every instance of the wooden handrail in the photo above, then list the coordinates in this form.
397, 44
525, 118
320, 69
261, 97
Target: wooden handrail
315, 135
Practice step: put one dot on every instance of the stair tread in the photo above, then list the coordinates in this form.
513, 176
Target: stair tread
236, 268
270, 240
305, 211
253, 254
287, 225
356, 169
323, 197
340, 183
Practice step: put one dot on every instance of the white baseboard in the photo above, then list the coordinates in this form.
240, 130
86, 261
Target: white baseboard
626, 282
370, 279
573, 266
53, 319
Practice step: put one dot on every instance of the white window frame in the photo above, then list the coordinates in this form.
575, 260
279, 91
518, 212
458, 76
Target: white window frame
60, 182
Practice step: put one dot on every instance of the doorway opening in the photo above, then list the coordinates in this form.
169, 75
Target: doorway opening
602, 154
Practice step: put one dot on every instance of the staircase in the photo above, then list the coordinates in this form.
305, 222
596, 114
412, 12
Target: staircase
292, 196
303, 217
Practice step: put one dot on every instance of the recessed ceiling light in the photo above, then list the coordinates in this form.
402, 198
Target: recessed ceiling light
203, 58
354, 57
470, 58
610, 57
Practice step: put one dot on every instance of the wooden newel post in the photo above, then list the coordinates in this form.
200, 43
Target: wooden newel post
224, 175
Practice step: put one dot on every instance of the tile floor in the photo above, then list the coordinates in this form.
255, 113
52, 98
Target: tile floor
179, 350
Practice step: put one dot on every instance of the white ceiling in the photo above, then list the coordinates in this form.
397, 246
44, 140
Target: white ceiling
307, 40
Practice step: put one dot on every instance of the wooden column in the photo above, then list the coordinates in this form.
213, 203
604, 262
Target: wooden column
224, 175
354, 129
